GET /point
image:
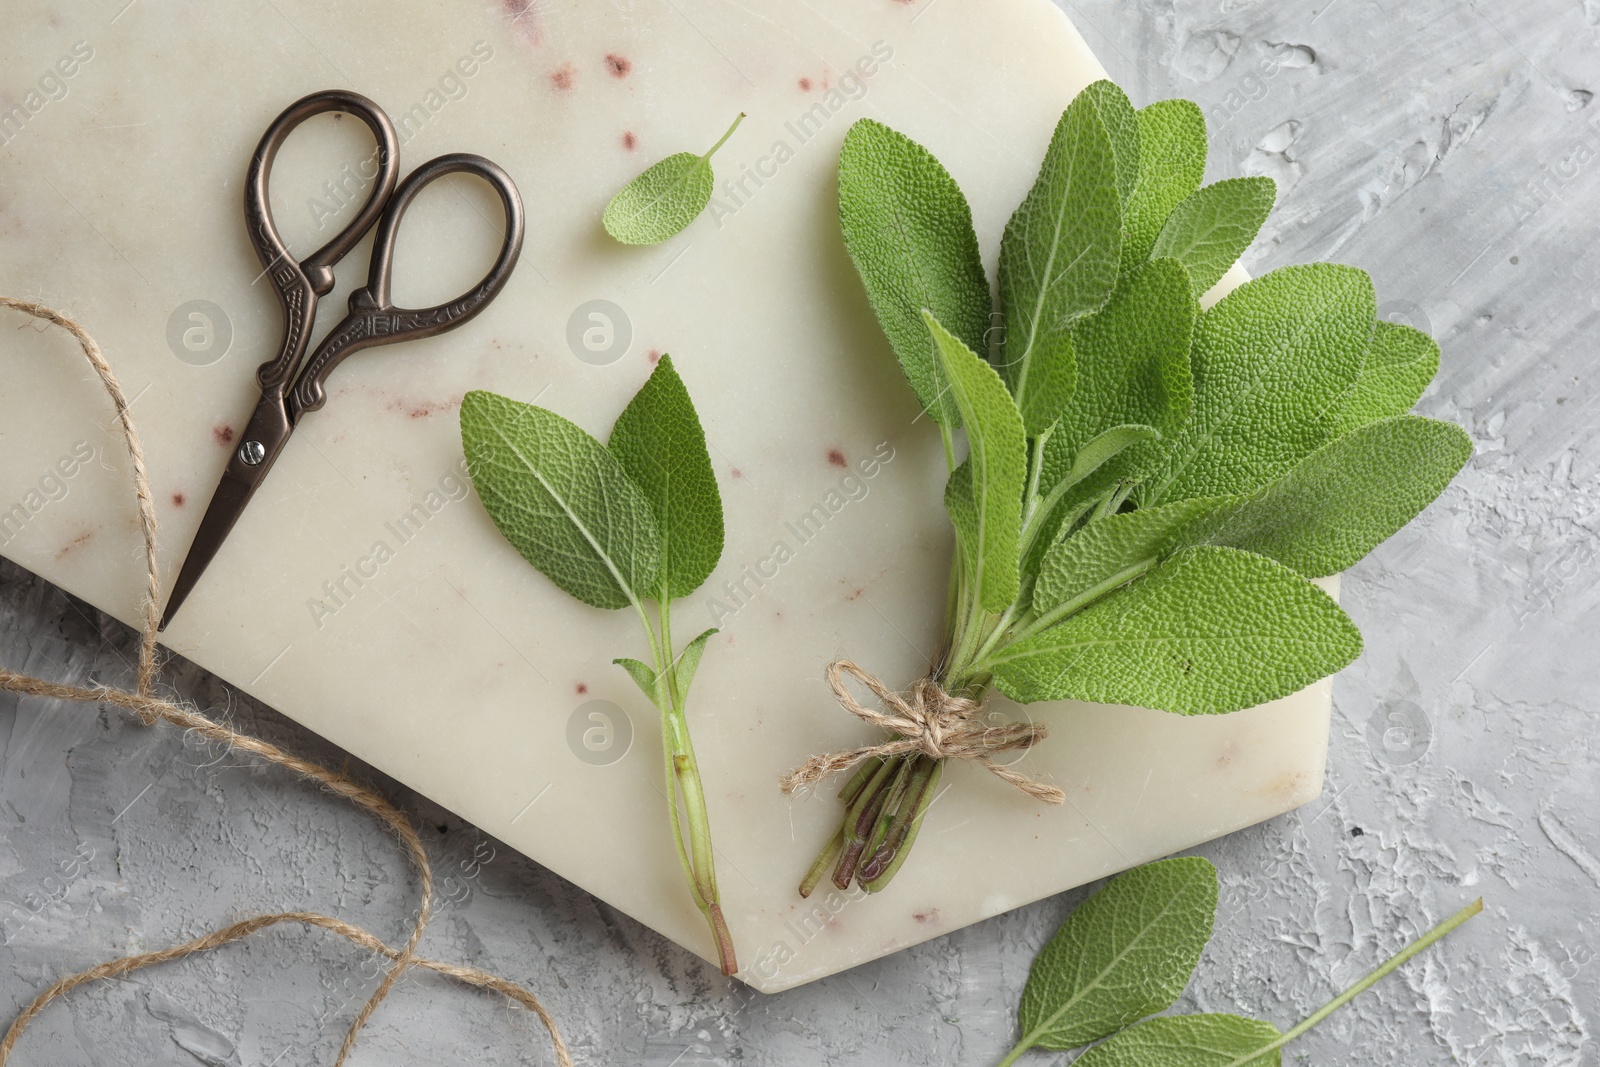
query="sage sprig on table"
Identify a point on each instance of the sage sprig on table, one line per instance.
(1128, 952)
(634, 523)
(1145, 487)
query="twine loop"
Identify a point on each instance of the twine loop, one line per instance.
(929, 720)
(151, 709)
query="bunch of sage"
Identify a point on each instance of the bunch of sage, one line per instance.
(1146, 487)
(633, 523)
(1128, 952)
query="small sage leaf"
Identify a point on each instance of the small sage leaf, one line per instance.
(561, 499)
(1126, 953)
(1188, 1041)
(1108, 445)
(1110, 546)
(642, 673)
(1213, 226)
(689, 660)
(659, 442)
(664, 199)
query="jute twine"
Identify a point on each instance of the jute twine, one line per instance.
(151, 709)
(929, 720)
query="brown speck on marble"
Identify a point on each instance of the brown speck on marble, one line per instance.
(856, 594)
(836, 458)
(77, 542)
(179, 500)
(805, 85)
(564, 77)
(222, 433)
(737, 473)
(618, 66)
(654, 356)
(582, 688)
(629, 141)
(931, 915)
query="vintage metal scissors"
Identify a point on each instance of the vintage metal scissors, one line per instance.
(292, 385)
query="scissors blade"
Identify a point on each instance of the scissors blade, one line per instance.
(227, 504)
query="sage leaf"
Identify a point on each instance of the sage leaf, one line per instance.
(1172, 162)
(1400, 363)
(1320, 518)
(909, 232)
(1133, 368)
(1188, 1041)
(1122, 126)
(689, 660)
(663, 200)
(643, 675)
(1211, 630)
(1054, 510)
(1269, 361)
(1058, 262)
(1107, 446)
(1344, 499)
(1125, 953)
(1213, 226)
(561, 499)
(996, 464)
(662, 447)
(1114, 545)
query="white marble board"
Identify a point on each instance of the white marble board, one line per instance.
(452, 665)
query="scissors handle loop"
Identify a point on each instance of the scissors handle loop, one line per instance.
(299, 283)
(374, 319)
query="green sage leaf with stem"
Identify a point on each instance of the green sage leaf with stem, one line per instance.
(1125, 953)
(641, 520)
(996, 470)
(1235, 1041)
(1208, 631)
(908, 230)
(663, 200)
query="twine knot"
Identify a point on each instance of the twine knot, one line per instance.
(929, 720)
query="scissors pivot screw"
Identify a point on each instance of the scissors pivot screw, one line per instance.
(252, 452)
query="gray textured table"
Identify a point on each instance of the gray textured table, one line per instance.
(1450, 148)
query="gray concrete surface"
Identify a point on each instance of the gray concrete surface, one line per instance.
(1450, 148)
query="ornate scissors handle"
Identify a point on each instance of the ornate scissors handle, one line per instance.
(373, 318)
(299, 283)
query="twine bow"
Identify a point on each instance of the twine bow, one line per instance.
(151, 709)
(928, 720)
